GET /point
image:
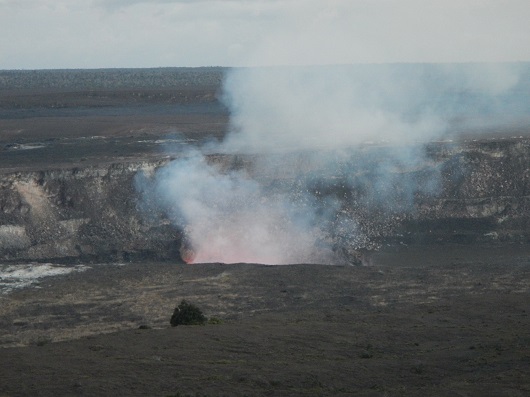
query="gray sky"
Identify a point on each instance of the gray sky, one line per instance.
(141, 33)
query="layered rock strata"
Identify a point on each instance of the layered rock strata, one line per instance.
(482, 193)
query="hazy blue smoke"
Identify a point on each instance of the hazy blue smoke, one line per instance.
(334, 157)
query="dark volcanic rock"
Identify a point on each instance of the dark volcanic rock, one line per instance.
(437, 319)
(85, 213)
(93, 212)
(71, 143)
(485, 194)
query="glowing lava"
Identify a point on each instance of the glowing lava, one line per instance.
(188, 256)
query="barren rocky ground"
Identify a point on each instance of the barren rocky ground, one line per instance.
(52, 119)
(443, 321)
(442, 310)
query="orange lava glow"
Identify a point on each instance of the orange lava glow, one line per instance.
(188, 255)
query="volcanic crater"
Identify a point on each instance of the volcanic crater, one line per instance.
(426, 298)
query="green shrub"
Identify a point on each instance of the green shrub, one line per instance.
(187, 314)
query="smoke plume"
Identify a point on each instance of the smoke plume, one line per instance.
(227, 216)
(321, 161)
(339, 106)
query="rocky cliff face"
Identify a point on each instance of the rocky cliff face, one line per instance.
(482, 193)
(485, 194)
(83, 213)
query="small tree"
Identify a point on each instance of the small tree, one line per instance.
(187, 314)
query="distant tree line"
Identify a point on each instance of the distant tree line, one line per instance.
(93, 79)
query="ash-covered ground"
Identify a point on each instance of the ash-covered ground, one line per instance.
(436, 302)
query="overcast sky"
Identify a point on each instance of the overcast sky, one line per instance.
(38, 34)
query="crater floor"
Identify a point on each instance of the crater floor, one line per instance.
(444, 320)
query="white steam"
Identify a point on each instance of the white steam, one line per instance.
(230, 217)
(319, 160)
(333, 107)
(328, 153)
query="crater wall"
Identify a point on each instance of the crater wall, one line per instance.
(92, 213)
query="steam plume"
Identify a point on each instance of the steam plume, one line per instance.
(229, 217)
(307, 187)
